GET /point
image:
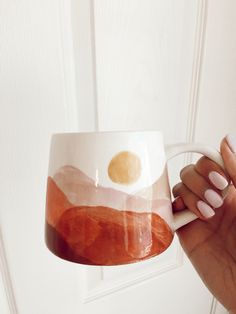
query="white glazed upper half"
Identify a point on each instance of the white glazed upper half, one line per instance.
(92, 153)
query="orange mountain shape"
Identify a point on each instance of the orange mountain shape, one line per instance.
(107, 236)
(83, 227)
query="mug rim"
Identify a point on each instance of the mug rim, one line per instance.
(107, 132)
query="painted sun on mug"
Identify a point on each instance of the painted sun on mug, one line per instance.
(108, 198)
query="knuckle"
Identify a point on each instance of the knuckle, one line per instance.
(202, 163)
(186, 171)
(233, 178)
(205, 165)
(230, 165)
(176, 189)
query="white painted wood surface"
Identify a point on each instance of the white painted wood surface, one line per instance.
(4, 303)
(7, 297)
(135, 38)
(82, 65)
(34, 104)
(82, 22)
(217, 98)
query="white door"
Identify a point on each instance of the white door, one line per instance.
(85, 65)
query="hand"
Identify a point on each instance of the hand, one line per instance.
(210, 242)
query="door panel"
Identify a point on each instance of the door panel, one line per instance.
(33, 105)
(104, 65)
(135, 70)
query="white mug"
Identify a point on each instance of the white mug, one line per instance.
(108, 196)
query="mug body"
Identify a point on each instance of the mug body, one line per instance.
(108, 197)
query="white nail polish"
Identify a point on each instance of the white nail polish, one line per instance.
(218, 180)
(231, 140)
(205, 209)
(213, 198)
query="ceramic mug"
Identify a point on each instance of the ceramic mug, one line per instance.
(108, 196)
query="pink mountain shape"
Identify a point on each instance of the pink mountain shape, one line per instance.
(56, 203)
(81, 190)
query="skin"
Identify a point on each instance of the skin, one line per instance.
(210, 243)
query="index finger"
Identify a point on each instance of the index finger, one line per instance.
(213, 173)
(228, 152)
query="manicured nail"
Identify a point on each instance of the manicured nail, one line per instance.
(218, 180)
(213, 198)
(231, 140)
(205, 209)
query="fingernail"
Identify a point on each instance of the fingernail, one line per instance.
(205, 209)
(218, 180)
(231, 140)
(213, 198)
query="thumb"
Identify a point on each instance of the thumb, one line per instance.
(228, 152)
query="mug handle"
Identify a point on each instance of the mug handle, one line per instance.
(184, 217)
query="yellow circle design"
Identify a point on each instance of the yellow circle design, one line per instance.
(125, 168)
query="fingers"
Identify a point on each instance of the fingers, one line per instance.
(201, 184)
(212, 172)
(228, 152)
(178, 204)
(202, 188)
(204, 184)
(193, 202)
